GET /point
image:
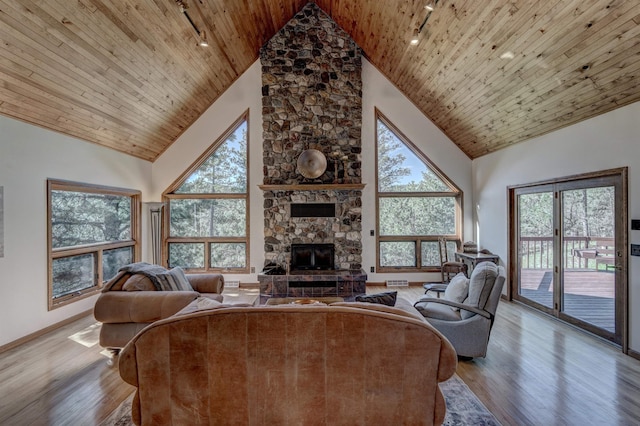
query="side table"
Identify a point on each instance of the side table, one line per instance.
(437, 288)
(472, 259)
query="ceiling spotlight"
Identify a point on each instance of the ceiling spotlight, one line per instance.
(203, 39)
(416, 37)
(430, 7)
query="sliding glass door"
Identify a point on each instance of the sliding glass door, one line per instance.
(570, 246)
(536, 254)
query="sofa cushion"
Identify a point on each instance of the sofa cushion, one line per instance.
(457, 290)
(138, 282)
(387, 298)
(200, 304)
(174, 280)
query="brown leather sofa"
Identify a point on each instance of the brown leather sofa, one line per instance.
(345, 363)
(130, 302)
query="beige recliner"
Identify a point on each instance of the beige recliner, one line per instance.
(468, 324)
(129, 302)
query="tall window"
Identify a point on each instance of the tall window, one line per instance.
(416, 204)
(93, 231)
(207, 222)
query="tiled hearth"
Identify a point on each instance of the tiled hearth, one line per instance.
(343, 283)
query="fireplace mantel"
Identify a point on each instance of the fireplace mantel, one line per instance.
(314, 187)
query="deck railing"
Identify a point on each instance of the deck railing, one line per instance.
(537, 252)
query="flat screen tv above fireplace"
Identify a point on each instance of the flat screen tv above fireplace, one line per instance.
(312, 257)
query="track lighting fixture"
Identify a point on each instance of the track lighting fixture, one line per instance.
(416, 37)
(183, 6)
(430, 7)
(203, 39)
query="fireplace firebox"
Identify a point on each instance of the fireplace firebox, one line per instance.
(306, 257)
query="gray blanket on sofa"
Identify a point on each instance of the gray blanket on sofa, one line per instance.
(147, 269)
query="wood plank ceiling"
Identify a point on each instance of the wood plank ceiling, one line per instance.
(128, 74)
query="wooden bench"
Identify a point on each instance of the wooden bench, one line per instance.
(602, 250)
(605, 252)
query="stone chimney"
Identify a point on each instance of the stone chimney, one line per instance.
(312, 99)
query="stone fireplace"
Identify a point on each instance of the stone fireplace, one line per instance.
(312, 99)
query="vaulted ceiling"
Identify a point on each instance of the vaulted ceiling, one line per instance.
(128, 74)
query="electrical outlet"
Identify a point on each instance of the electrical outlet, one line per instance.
(373, 269)
(372, 233)
(635, 249)
(253, 269)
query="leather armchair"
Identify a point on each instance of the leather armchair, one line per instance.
(468, 325)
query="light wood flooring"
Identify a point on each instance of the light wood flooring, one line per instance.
(538, 371)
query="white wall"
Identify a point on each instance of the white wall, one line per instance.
(28, 156)
(244, 94)
(378, 92)
(604, 142)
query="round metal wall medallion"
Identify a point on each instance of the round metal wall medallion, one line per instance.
(312, 163)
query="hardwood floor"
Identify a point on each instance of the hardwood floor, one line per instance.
(538, 371)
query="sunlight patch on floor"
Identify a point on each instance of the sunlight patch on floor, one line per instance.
(88, 337)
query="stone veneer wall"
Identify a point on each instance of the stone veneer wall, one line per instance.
(312, 99)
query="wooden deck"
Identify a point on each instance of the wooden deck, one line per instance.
(589, 295)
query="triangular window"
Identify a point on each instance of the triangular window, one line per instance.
(224, 171)
(207, 208)
(416, 204)
(400, 169)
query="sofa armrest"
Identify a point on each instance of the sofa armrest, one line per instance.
(140, 306)
(207, 283)
(406, 306)
(127, 364)
(455, 305)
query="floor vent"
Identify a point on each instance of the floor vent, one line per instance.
(231, 284)
(397, 283)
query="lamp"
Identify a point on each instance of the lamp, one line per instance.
(430, 7)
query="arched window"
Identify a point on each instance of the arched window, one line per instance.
(416, 204)
(206, 225)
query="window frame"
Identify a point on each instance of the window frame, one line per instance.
(454, 192)
(96, 249)
(169, 194)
